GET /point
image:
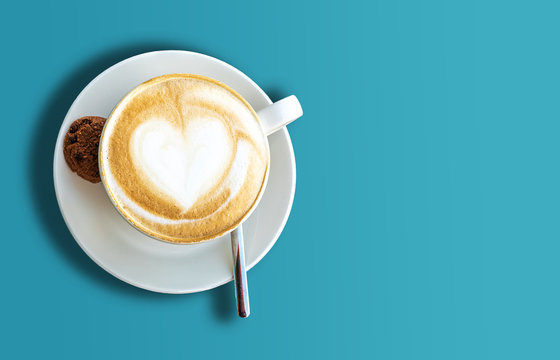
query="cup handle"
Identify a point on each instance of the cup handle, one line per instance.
(279, 114)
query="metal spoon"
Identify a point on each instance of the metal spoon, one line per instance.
(239, 272)
(274, 117)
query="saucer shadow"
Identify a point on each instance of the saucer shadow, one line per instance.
(40, 175)
(224, 303)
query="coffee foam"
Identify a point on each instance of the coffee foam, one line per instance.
(184, 158)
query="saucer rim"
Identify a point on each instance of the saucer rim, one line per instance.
(99, 262)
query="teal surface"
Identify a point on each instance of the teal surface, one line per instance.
(425, 222)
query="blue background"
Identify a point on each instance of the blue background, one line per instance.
(425, 222)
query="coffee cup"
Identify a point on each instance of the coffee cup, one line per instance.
(185, 159)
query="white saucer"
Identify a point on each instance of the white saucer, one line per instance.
(132, 256)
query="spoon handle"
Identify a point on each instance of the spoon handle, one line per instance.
(239, 272)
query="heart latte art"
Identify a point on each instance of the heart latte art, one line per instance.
(184, 158)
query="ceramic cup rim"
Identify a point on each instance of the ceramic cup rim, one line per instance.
(147, 231)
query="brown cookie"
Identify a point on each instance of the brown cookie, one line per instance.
(81, 146)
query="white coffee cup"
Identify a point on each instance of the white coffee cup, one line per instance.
(270, 119)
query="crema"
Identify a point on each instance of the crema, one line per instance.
(184, 158)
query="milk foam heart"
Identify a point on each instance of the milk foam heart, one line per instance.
(184, 158)
(182, 163)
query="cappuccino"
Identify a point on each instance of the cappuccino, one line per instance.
(184, 158)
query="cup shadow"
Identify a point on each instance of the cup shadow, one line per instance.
(274, 93)
(41, 183)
